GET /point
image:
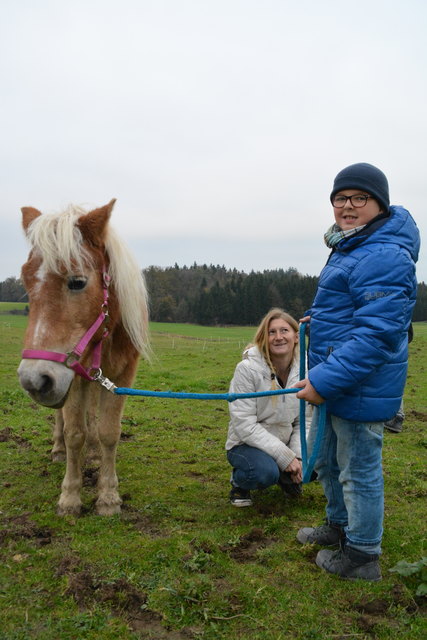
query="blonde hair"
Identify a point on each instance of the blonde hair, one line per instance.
(261, 334)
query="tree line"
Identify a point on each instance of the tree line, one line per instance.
(215, 295)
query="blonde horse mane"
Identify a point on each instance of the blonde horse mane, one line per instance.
(131, 291)
(60, 242)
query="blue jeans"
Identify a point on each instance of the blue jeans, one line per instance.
(252, 468)
(349, 467)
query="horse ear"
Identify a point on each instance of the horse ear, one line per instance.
(29, 214)
(93, 225)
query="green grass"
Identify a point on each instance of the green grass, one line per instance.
(6, 307)
(221, 334)
(180, 562)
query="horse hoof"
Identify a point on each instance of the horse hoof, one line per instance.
(59, 456)
(68, 510)
(104, 509)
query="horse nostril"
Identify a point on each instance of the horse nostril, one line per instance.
(46, 384)
(41, 385)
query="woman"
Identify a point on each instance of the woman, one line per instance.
(263, 444)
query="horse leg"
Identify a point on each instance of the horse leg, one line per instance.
(93, 452)
(74, 413)
(58, 452)
(109, 501)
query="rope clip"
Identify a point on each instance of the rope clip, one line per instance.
(103, 381)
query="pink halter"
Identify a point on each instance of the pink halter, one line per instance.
(72, 359)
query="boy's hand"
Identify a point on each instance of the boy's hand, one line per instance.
(308, 392)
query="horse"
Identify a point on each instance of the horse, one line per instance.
(88, 322)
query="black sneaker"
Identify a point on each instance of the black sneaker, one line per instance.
(327, 535)
(395, 424)
(288, 486)
(240, 497)
(350, 564)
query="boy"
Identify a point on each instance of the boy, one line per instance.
(358, 362)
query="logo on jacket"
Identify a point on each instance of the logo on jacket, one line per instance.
(374, 295)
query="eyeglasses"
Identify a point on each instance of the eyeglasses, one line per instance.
(356, 201)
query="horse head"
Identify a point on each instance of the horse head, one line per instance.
(63, 277)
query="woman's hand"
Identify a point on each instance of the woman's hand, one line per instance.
(295, 469)
(308, 392)
(305, 319)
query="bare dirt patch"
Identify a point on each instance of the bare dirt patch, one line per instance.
(143, 522)
(247, 548)
(267, 510)
(90, 477)
(22, 526)
(419, 415)
(120, 596)
(126, 436)
(7, 435)
(374, 611)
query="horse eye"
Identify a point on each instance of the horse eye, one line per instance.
(76, 283)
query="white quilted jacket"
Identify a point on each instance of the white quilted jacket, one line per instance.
(269, 423)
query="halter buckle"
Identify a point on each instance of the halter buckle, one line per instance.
(72, 359)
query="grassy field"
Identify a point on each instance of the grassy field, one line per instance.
(180, 562)
(6, 307)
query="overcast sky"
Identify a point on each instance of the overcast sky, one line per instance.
(219, 125)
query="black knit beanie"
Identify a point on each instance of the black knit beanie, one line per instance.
(366, 177)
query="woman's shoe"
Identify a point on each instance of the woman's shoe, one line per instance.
(240, 497)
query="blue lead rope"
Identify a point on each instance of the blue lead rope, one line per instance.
(231, 397)
(181, 395)
(308, 466)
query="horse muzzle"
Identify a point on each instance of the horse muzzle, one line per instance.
(45, 382)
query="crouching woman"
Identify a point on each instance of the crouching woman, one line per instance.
(263, 443)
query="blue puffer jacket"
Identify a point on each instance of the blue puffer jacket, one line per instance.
(361, 313)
